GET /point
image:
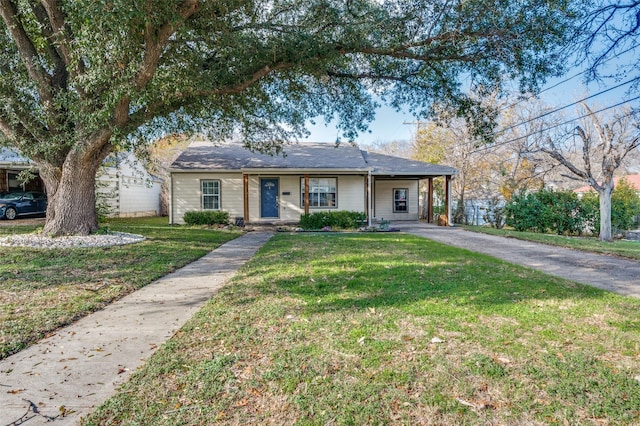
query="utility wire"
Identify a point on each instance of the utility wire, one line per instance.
(554, 126)
(553, 111)
(566, 80)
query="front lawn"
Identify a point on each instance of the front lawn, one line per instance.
(391, 329)
(44, 289)
(630, 249)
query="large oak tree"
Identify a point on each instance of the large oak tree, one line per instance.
(81, 78)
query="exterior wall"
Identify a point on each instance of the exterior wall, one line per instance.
(351, 196)
(186, 193)
(185, 189)
(383, 199)
(139, 197)
(128, 190)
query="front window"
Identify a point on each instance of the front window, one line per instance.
(322, 192)
(210, 194)
(400, 200)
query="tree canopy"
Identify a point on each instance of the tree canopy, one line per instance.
(80, 78)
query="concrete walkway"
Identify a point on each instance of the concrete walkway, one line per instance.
(610, 273)
(65, 376)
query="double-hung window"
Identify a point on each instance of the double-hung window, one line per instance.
(400, 200)
(210, 190)
(323, 192)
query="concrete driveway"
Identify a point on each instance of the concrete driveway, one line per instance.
(610, 273)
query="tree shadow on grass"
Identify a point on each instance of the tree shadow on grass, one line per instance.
(353, 271)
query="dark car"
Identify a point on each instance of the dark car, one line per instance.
(22, 204)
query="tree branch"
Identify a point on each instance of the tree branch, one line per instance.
(27, 51)
(6, 129)
(62, 37)
(155, 39)
(60, 76)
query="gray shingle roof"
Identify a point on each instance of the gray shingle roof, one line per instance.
(303, 156)
(8, 156)
(389, 165)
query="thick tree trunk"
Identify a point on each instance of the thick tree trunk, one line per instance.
(605, 212)
(71, 208)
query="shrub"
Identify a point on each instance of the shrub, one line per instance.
(334, 219)
(548, 211)
(208, 217)
(625, 206)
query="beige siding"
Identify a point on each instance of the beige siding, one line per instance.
(290, 210)
(351, 196)
(186, 195)
(383, 201)
(351, 193)
(186, 192)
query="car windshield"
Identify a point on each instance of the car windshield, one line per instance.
(13, 195)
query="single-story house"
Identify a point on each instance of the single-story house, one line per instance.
(309, 177)
(123, 184)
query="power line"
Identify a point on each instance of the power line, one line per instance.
(554, 126)
(566, 80)
(571, 104)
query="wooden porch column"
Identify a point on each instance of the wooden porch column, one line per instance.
(447, 200)
(245, 184)
(366, 197)
(430, 201)
(306, 194)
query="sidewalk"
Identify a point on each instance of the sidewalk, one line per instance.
(80, 366)
(610, 273)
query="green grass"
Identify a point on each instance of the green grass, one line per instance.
(630, 249)
(43, 289)
(373, 329)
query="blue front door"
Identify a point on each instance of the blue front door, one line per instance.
(269, 198)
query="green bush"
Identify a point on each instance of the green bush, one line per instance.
(625, 206)
(547, 210)
(208, 217)
(333, 219)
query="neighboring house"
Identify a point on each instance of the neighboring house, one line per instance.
(310, 177)
(634, 181)
(11, 165)
(125, 186)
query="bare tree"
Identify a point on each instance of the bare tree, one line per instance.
(611, 29)
(604, 144)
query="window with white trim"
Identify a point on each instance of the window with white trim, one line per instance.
(323, 192)
(210, 190)
(400, 200)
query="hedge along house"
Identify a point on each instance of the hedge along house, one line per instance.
(310, 177)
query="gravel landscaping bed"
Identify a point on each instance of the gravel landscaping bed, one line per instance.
(41, 241)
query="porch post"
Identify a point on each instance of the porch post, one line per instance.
(368, 203)
(170, 198)
(430, 201)
(448, 200)
(306, 194)
(245, 184)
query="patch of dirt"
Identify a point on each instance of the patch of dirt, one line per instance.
(23, 221)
